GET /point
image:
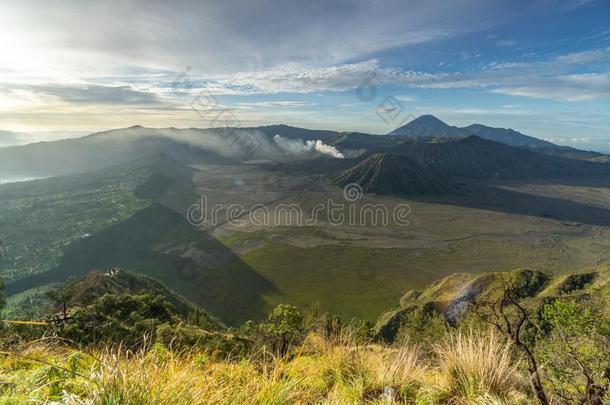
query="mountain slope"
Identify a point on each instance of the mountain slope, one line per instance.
(160, 243)
(451, 296)
(474, 157)
(394, 175)
(97, 151)
(103, 149)
(507, 136)
(287, 131)
(130, 215)
(9, 138)
(572, 153)
(38, 219)
(117, 281)
(363, 142)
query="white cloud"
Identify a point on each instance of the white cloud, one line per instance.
(506, 42)
(406, 98)
(298, 78)
(9, 138)
(563, 77)
(84, 94)
(570, 141)
(595, 55)
(218, 36)
(553, 78)
(116, 60)
(577, 87)
(278, 104)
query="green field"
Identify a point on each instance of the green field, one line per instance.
(133, 216)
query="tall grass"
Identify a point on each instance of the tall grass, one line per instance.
(478, 367)
(467, 368)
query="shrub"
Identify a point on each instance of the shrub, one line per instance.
(576, 350)
(284, 328)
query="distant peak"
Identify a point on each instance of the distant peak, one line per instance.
(428, 119)
(424, 125)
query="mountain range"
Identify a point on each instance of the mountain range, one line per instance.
(428, 126)
(475, 157)
(476, 151)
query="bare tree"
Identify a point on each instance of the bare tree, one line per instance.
(502, 309)
(62, 295)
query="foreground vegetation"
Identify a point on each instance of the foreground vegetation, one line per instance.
(464, 368)
(507, 338)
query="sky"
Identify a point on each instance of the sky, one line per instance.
(541, 67)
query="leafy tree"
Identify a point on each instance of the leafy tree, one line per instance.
(199, 318)
(577, 351)
(423, 325)
(284, 327)
(118, 318)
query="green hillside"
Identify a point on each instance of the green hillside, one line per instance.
(453, 297)
(116, 281)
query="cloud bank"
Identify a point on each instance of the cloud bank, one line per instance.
(236, 143)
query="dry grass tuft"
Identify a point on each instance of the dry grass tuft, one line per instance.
(471, 368)
(477, 367)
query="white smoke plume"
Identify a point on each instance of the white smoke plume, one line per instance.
(308, 148)
(353, 153)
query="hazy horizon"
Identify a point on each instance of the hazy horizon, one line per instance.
(540, 68)
(34, 137)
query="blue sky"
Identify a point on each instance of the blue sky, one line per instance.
(541, 67)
